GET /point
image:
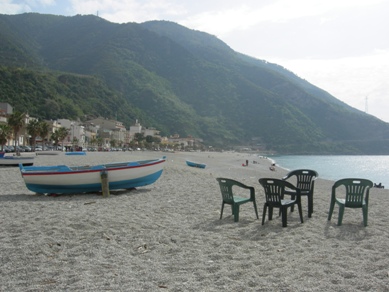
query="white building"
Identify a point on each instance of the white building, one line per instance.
(76, 136)
(135, 129)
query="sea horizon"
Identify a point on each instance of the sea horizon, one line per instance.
(335, 167)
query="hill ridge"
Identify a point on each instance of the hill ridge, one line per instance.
(177, 80)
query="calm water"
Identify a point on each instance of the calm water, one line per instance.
(375, 168)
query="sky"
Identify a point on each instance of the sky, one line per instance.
(341, 46)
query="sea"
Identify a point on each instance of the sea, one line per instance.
(334, 167)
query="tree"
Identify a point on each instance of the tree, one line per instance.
(33, 131)
(156, 140)
(149, 139)
(139, 137)
(132, 144)
(44, 130)
(100, 141)
(93, 141)
(16, 121)
(74, 142)
(55, 137)
(62, 134)
(5, 132)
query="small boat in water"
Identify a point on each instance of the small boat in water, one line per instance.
(15, 160)
(62, 179)
(195, 164)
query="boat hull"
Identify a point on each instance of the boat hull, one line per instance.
(65, 180)
(76, 153)
(195, 164)
(16, 161)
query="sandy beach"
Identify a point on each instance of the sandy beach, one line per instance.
(168, 236)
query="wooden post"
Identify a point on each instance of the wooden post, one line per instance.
(104, 183)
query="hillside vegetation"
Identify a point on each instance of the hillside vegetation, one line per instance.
(178, 80)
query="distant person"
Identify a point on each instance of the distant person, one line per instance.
(380, 186)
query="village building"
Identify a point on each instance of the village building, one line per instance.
(110, 131)
(138, 129)
(184, 142)
(102, 132)
(5, 109)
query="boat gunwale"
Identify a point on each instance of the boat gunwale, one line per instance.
(17, 157)
(91, 169)
(7, 161)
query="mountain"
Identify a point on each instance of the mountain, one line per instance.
(177, 80)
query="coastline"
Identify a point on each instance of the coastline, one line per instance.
(335, 167)
(168, 235)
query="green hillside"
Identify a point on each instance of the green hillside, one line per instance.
(175, 79)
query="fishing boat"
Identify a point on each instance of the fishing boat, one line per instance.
(50, 152)
(62, 179)
(195, 164)
(15, 160)
(76, 153)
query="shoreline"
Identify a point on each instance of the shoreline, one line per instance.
(168, 235)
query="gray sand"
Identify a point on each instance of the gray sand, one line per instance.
(168, 236)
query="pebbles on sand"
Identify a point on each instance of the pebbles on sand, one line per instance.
(168, 235)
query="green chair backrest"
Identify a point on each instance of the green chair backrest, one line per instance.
(305, 178)
(357, 190)
(274, 190)
(226, 189)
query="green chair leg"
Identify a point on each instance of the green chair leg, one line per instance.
(300, 212)
(340, 216)
(256, 210)
(332, 205)
(221, 212)
(310, 206)
(364, 211)
(270, 213)
(264, 213)
(236, 212)
(284, 217)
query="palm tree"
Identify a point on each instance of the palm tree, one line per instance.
(62, 134)
(33, 129)
(43, 131)
(93, 141)
(55, 137)
(16, 121)
(100, 141)
(5, 132)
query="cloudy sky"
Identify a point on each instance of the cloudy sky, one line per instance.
(341, 46)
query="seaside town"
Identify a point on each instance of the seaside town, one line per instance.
(194, 146)
(98, 134)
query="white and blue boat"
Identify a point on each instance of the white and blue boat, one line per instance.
(62, 179)
(15, 160)
(75, 153)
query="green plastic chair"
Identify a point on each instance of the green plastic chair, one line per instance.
(229, 189)
(305, 181)
(357, 196)
(274, 193)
